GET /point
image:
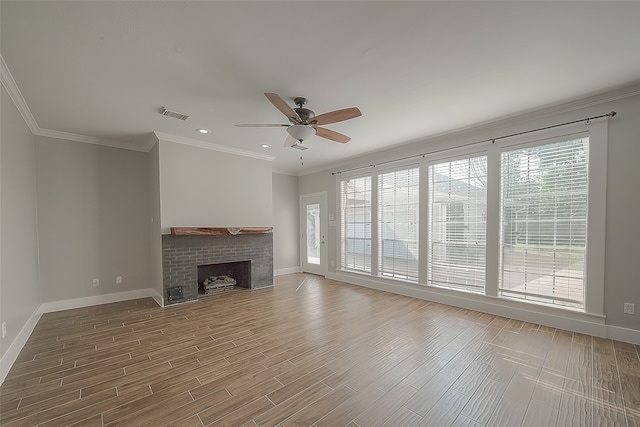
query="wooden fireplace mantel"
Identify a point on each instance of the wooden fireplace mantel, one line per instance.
(218, 231)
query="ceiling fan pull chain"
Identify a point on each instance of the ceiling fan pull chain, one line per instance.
(301, 161)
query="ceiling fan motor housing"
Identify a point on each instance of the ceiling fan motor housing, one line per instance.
(304, 113)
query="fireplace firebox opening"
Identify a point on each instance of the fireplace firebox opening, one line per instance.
(226, 275)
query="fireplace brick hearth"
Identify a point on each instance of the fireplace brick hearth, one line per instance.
(182, 254)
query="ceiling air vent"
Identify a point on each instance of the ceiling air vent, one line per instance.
(173, 114)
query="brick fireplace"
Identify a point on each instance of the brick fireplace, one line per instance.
(184, 251)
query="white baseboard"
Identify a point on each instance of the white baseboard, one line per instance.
(48, 307)
(288, 270)
(12, 353)
(557, 318)
(623, 334)
(9, 358)
(577, 322)
(158, 298)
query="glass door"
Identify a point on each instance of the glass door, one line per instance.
(313, 228)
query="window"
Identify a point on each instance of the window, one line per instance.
(520, 219)
(355, 231)
(457, 223)
(543, 202)
(398, 196)
(313, 233)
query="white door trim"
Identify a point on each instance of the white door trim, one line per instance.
(304, 198)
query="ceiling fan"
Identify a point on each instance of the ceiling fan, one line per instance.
(304, 123)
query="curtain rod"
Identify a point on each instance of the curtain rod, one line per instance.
(492, 140)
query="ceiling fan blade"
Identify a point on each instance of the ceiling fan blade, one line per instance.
(260, 125)
(284, 108)
(332, 135)
(290, 141)
(336, 116)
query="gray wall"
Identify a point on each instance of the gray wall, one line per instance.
(155, 241)
(206, 188)
(286, 207)
(19, 296)
(622, 275)
(93, 221)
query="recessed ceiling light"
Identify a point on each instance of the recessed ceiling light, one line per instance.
(264, 145)
(203, 130)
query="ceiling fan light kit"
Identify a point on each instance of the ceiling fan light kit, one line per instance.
(304, 122)
(301, 132)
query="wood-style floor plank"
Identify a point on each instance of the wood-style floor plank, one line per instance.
(318, 409)
(313, 351)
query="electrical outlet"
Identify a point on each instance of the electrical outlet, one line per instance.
(4, 329)
(96, 282)
(118, 279)
(629, 308)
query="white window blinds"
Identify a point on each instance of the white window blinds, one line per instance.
(355, 229)
(457, 223)
(398, 202)
(544, 222)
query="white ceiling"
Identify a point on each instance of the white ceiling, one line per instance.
(103, 69)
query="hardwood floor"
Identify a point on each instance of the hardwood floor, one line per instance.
(312, 351)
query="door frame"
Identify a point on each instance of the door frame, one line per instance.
(304, 199)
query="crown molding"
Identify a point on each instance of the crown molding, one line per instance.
(211, 146)
(410, 147)
(152, 140)
(12, 89)
(565, 106)
(90, 140)
(615, 94)
(285, 172)
(16, 96)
